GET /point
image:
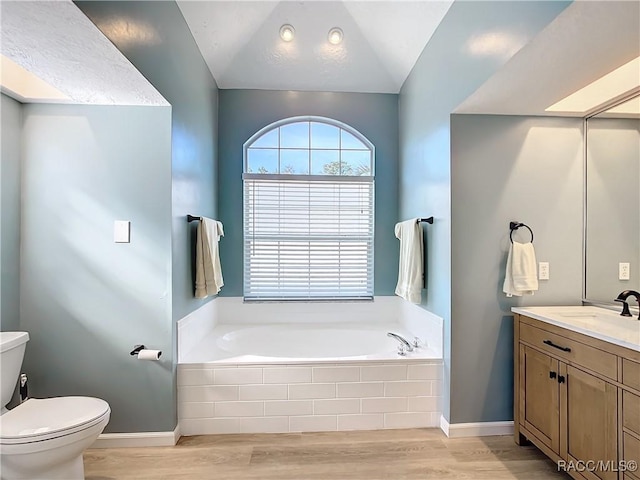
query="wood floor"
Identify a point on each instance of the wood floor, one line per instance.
(375, 455)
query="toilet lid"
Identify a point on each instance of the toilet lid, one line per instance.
(40, 419)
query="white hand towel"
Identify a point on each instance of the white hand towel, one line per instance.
(521, 276)
(208, 269)
(410, 266)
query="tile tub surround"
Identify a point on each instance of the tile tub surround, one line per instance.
(214, 398)
(196, 325)
(289, 395)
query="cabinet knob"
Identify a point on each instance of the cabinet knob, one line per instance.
(560, 378)
(552, 374)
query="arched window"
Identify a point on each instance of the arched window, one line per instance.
(308, 212)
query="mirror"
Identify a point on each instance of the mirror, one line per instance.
(612, 230)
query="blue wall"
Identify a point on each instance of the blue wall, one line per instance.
(85, 300)
(243, 112)
(506, 168)
(446, 73)
(10, 190)
(173, 64)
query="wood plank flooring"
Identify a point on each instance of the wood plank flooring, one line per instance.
(416, 454)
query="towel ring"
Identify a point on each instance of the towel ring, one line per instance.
(515, 226)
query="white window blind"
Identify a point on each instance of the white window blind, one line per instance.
(308, 237)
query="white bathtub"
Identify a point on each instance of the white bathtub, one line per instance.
(304, 343)
(302, 367)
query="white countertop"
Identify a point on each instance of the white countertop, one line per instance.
(595, 322)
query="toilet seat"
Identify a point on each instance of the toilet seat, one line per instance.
(37, 420)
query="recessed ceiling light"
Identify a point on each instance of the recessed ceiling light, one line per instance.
(287, 32)
(335, 36)
(614, 84)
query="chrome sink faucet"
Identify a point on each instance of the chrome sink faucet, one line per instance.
(625, 306)
(403, 343)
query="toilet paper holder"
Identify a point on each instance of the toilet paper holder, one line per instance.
(143, 354)
(136, 349)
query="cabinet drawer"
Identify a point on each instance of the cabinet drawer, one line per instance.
(631, 411)
(631, 374)
(578, 353)
(631, 449)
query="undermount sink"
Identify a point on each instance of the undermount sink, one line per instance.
(578, 314)
(600, 322)
(589, 310)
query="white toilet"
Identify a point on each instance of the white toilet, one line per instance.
(43, 438)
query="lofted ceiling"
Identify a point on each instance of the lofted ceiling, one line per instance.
(57, 43)
(240, 43)
(382, 40)
(586, 41)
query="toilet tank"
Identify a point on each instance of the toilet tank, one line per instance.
(12, 346)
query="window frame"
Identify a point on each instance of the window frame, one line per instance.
(310, 178)
(307, 118)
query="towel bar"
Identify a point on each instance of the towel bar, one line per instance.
(428, 220)
(191, 218)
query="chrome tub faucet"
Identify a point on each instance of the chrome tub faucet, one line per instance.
(403, 343)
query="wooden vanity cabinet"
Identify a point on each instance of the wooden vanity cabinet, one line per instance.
(569, 402)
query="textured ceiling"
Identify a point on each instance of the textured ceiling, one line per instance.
(383, 39)
(240, 42)
(58, 43)
(586, 41)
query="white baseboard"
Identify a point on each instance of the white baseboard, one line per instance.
(138, 439)
(480, 429)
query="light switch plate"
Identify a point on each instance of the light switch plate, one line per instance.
(623, 271)
(121, 231)
(543, 271)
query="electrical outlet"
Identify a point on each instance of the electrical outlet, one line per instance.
(543, 271)
(623, 271)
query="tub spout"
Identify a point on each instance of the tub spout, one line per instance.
(402, 341)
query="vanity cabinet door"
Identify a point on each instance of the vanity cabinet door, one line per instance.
(592, 421)
(631, 453)
(631, 432)
(539, 396)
